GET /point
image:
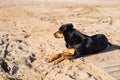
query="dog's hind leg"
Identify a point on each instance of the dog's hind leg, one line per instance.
(51, 59)
(69, 52)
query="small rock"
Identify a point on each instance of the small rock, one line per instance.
(28, 62)
(4, 66)
(15, 68)
(27, 36)
(6, 51)
(32, 58)
(20, 47)
(1, 42)
(20, 41)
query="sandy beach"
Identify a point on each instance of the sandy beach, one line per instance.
(27, 40)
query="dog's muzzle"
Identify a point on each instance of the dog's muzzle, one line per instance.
(58, 35)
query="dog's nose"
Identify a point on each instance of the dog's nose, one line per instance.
(58, 35)
(55, 34)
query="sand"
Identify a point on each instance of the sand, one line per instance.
(27, 28)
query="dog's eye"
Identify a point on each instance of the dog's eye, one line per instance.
(61, 32)
(62, 29)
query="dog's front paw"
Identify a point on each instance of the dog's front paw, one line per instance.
(51, 59)
(56, 62)
(59, 60)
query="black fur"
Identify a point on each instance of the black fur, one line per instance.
(83, 44)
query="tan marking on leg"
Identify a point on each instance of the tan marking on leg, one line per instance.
(60, 57)
(65, 55)
(72, 51)
(59, 60)
(51, 59)
(69, 51)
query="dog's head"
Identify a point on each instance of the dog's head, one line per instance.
(62, 29)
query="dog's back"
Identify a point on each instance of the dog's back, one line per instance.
(96, 43)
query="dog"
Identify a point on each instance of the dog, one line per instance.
(78, 44)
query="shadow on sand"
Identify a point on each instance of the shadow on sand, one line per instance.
(109, 48)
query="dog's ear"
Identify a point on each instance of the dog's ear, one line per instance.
(65, 27)
(69, 26)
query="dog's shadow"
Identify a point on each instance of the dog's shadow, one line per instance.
(109, 48)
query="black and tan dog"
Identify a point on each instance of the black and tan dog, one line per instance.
(78, 44)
